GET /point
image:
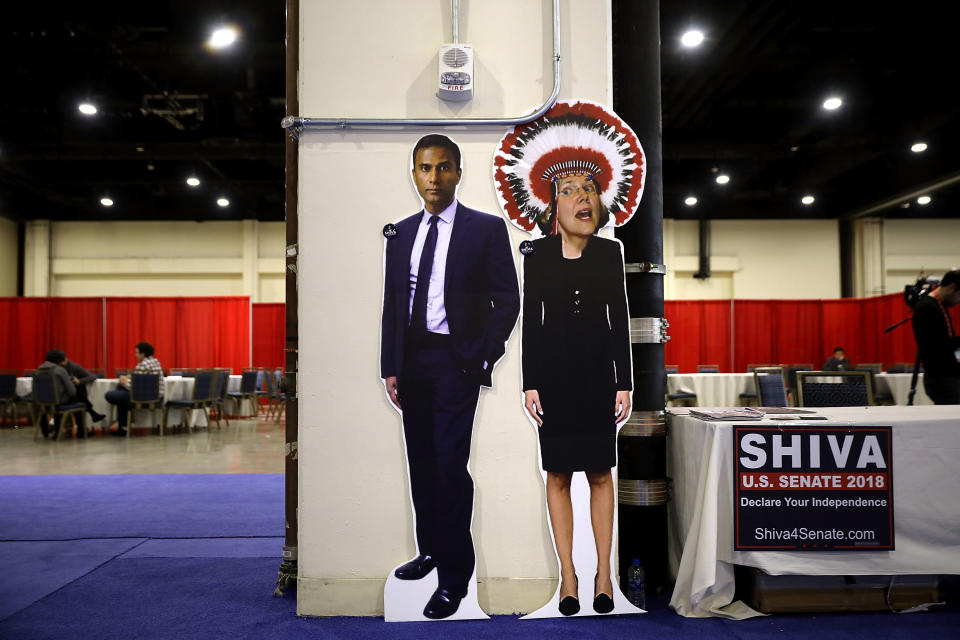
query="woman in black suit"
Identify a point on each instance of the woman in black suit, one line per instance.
(576, 367)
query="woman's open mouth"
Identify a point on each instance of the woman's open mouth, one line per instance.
(584, 214)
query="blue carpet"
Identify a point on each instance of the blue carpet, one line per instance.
(209, 548)
(230, 598)
(147, 506)
(31, 570)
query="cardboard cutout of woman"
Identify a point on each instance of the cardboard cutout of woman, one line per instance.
(564, 177)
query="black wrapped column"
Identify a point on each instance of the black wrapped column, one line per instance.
(642, 486)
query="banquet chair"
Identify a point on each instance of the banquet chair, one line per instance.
(791, 379)
(47, 402)
(220, 394)
(771, 388)
(144, 396)
(880, 397)
(276, 398)
(9, 400)
(680, 397)
(834, 389)
(200, 398)
(248, 390)
(708, 368)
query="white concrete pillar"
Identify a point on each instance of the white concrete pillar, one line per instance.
(868, 264)
(36, 263)
(251, 259)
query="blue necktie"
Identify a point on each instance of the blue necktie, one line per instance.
(418, 321)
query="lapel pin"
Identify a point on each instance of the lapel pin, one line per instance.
(526, 247)
(389, 231)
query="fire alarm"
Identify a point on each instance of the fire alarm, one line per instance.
(455, 62)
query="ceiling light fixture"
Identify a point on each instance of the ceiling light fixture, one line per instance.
(723, 178)
(222, 37)
(223, 202)
(107, 202)
(923, 200)
(807, 200)
(690, 201)
(87, 109)
(832, 103)
(692, 38)
(918, 147)
(193, 181)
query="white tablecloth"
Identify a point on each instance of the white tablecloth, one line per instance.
(713, 389)
(175, 388)
(926, 446)
(898, 386)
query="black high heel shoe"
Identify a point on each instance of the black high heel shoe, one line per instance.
(570, 605)
(602, 603)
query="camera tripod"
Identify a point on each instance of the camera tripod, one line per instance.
(916, 363)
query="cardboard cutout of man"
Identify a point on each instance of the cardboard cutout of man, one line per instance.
(450, 301)
(565, 177)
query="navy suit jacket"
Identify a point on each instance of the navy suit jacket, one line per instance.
(480, 291)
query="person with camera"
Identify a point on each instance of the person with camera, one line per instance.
(937, 342)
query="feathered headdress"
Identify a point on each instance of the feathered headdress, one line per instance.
(572, 137)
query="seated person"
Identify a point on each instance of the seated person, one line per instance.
(838, 362)
(81, 378)
(120, 396)
(56, 361)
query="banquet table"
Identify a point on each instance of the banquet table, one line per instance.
(175, 388)
(926, 443)
(898, 386)
(713, 389)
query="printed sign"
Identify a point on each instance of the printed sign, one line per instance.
(813, 488)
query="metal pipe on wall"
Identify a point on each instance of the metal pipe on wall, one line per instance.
(297, 124)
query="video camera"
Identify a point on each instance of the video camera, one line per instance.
(923, 286)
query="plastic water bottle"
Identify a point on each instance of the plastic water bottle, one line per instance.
(636, 590)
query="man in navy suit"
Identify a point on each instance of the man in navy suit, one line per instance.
(450, 301)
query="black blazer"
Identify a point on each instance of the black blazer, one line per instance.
(604, 305)
(480, 292)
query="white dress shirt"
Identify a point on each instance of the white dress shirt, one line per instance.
(436, 311)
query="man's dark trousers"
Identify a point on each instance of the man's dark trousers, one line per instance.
(439, 402)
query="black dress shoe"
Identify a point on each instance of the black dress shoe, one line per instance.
(570, 605)
(602, 603)
(416, 568)
(442, 604)
(96, 417)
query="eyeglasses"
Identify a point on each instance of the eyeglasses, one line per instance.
(572, 190)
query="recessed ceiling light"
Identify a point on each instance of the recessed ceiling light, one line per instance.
(107, 202)
(139, 149)
(923, 200)
(223, 202)
(690, 201)
(832, 103)
(150, 166)
(794, 149)
(807, 200)
(918, 147)
(222, 37)
(87, 109)
(723, 178)
(692, 38)
(193, 181)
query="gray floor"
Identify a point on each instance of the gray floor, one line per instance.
(246, 446)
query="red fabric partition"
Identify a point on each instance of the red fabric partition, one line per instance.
(699, 333)
(186, 332)
(32, 326)
(269, 331)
